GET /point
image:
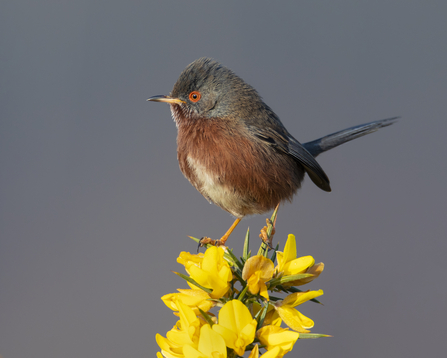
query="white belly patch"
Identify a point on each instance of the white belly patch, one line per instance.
(209, 186)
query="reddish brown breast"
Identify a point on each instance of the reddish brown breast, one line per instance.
(234, 170)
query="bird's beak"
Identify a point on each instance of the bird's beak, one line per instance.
(166, 99)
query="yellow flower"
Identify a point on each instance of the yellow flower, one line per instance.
(211, 272)
(315, 270)
(213, 276)
(169, 349)
(211, 345)
(187, 259)
(293, 318)
(254, 352)
(276, 338)
(275, 352)
(236, 326)
(186, 331)
(194, 299)
(258, 270)
(289, 264)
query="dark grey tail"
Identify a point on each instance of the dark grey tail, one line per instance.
(333, 140)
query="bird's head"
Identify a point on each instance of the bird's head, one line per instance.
(208, 90)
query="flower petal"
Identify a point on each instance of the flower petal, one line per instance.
(228, 335)
(315, 270)
(192, 298)
(274, 336)
(236, 326)
(187, 259)
(295, 319)
(191, 352)
(298, 265)
(290, 249)
(258, 263)
(297, 298)
(169, 349)
(273, 353)
(210, 342)
(254, 352)
(234, 315)
(263, 290)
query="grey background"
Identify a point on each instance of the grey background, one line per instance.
(94, 209)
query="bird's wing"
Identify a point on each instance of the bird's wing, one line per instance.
(316, 173)
(289, 145)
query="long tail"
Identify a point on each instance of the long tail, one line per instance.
(333, 140)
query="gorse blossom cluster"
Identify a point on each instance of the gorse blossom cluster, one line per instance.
(247, 292)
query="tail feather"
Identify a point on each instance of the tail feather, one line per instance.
(333, 140)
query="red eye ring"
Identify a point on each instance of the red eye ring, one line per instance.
(195, 96)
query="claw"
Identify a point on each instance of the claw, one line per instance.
(205, 241)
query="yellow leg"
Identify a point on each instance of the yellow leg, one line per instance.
(223, 239)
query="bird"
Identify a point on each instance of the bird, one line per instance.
(235, 150)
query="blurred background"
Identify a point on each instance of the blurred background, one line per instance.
(94, 210)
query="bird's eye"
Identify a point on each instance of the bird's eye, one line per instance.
(194, 96)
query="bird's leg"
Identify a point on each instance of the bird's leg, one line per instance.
(265, 237)
(223, 239)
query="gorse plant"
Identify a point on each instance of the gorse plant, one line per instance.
(253, 298)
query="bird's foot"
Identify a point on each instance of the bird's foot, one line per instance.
(264, 235)
(208, 241)
(221, 242)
